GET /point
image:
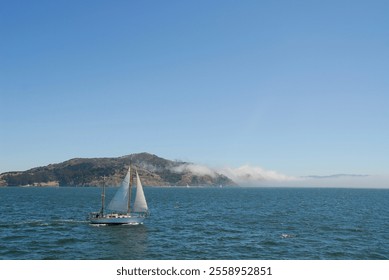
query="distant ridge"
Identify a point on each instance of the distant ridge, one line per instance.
(335, 176)
(154, 170)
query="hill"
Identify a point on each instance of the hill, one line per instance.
(154, 171)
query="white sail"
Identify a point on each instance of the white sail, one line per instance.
(119, 202)
(140, 204)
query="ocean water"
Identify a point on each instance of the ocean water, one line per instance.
(199, 223)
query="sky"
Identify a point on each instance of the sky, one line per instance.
(296, 88)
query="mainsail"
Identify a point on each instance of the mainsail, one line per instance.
(119, 202)
(140, 204)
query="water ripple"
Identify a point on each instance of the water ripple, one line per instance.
(199, 224)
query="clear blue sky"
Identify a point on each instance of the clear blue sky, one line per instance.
(300, 87)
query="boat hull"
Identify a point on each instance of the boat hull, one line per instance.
(115, 219)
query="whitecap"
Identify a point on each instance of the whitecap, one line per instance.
(285, 235)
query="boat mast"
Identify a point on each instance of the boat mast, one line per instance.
(129, 194)
(103, 197)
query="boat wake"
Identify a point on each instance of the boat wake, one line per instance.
(44, 223)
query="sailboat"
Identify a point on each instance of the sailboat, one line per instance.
(119, 210)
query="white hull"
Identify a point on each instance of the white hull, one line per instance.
(118, 219)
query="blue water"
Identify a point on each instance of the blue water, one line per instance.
(236, 223)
